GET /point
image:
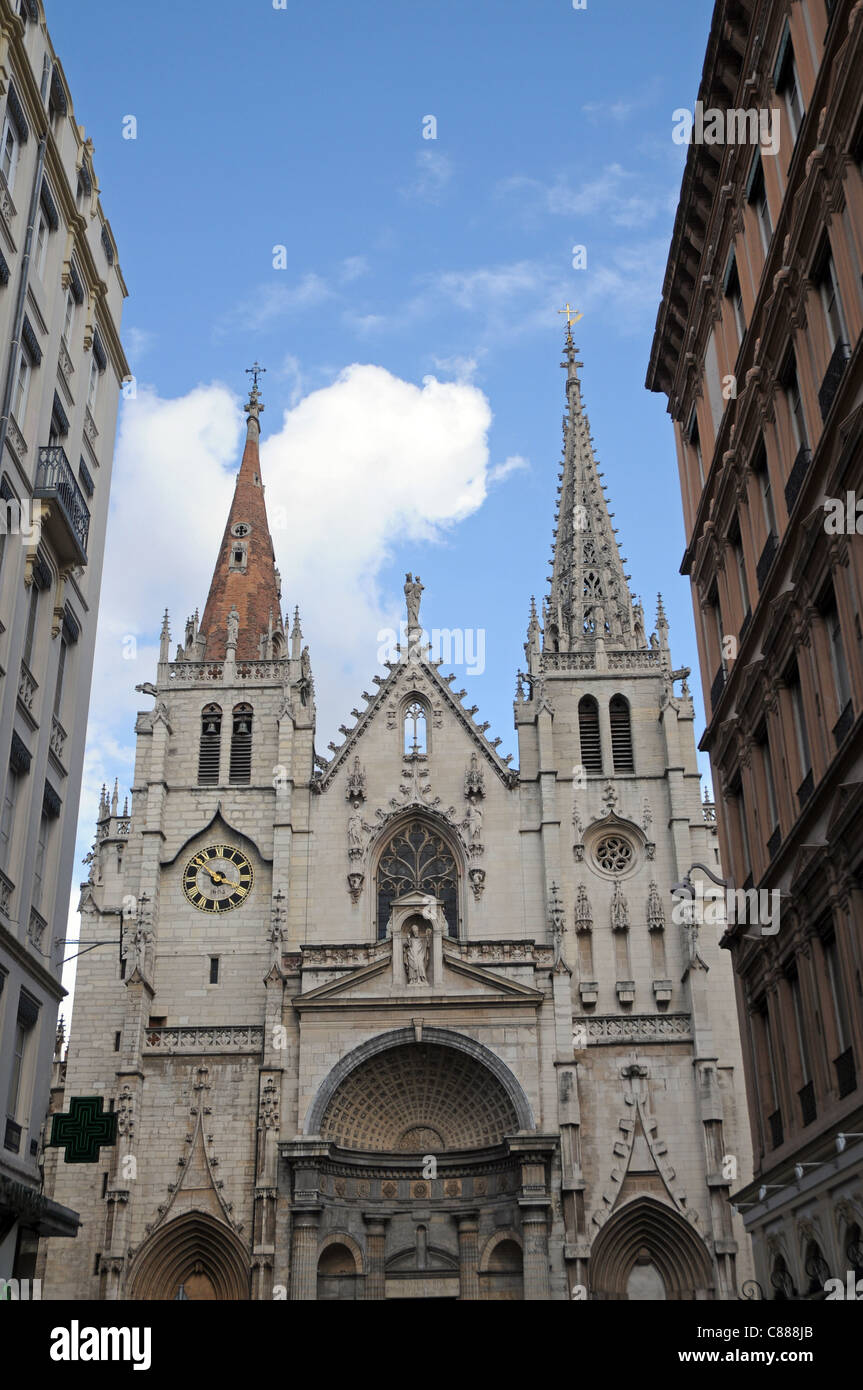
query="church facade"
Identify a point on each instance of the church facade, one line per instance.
(404, 1021)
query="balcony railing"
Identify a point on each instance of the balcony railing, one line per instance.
(797, 476)
(55, 482)
(776, 1134)
(846, 1074)
(833, 376)
(804, 791)
(843, 724)
(768, 555)
(717, 688)
(806, 1096)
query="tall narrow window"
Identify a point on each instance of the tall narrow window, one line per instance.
(22, 387)
(695, 446)
(28, 1017)
(792, 680)
(621, 734)
(800, 1028)
(210, 747)
(214, 970)
(9, 154)
(61, 672)
(837, 993)
(767, 769)
(757, 195)
(415, 729)
(30, 630)
(762, 473)
(830, 614)
(828, 284)
(794, 402)
(42, 838)
(7, 815)
(93, 385)
(588, 732)
(787, 84)
(69, 319)
(241, 745)
(740, 558)
(734, 294)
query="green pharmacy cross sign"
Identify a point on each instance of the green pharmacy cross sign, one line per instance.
(83, 1130)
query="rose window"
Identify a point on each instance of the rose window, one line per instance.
(613, 854)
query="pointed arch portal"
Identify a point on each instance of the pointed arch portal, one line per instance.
(196, 1252)
(644, 1245)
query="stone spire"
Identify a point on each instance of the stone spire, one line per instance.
(589, 599)
(245, 587)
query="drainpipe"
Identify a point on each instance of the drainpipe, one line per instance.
(22, 296)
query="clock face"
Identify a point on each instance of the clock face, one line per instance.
(218, 879)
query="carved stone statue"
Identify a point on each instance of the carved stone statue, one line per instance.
(416, 949)
(413, 597)
(355, 831)
(474, 822)
(233, 627)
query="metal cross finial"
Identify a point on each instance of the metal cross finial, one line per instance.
(571, 316)
(254, 372)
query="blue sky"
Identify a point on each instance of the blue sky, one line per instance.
(303, 127)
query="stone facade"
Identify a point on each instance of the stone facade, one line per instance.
(61, 299)
(763, 289)
(447, 1038)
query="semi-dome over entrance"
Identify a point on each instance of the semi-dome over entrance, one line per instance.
(419, 1098)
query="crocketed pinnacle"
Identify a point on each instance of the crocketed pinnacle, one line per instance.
(245, 591)
(589, 596)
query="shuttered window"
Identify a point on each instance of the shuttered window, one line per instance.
(621, 734)
(241, 745)
(211, 742)
(588, 728)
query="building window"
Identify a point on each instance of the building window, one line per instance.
(61, 671)
(830, 615)
(695, 446)
(787, 83)
(25, 1032)
(802, 1048)
(767, 769)
(419, 859)
(240, 770)
(795, 691)
(9, 151)
(837, 993)
(757, 196)
(214, 970)
(588, 733)
(735, 295)
(762, 474)
(736, 543)
(7, 814)
(30, 630)
(40, 250)
(794, 401)
(42, 839)
(69, 318)
(22, 386)
(831, 300)
(210, 746)
(415, 729)
(93, 385)
(621, 734)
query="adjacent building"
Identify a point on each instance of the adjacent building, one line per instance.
(61, 365)
(397, 1020)
(758, 349)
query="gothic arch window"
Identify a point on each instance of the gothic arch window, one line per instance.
(415, 728)
(588, 732)
(592, 585)
(621, 734)
(210, 746)
(241, 745)
(417, 858)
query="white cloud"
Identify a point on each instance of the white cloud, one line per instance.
(352, 268)
(277, 298)
(621, 197)
(598, 111)
(516, 463)
(434, 173)
(137, 343)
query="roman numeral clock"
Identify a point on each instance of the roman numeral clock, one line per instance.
(218, 879)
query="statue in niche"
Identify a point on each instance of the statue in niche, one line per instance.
(416, 949)
(619, 909)
(355, 831)
(233, 627)
(413, 597)
(473, 823)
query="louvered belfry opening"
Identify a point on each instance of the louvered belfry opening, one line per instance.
(588, 728)
(241, 745)
(211, 743)
(621, 734)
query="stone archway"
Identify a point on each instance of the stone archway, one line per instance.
(483, 1073)
(645, 1242)
(195, 1251)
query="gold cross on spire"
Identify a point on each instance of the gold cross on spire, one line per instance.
(571, 317)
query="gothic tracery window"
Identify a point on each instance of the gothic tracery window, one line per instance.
(415, 729)
(418, 859)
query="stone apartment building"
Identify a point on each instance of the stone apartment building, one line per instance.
(758, 348)
(61, 296)
(401, 1021)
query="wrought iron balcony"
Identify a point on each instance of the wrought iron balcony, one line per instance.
(776, 1132)
(846, 1073)
(68, 519)
(807, 786)
(806, 1096)
(797, 476)
(843, 724)
(833, 376)
(717, 688)
(768, 555)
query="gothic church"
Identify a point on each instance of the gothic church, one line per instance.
(404, 1021)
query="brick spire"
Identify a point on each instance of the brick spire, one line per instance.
(245, 578)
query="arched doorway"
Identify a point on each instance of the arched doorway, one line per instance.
(193, 1257)
(339, 1265)
(646, 1250)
